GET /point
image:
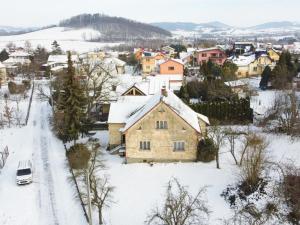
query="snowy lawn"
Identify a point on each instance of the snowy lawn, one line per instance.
(140, 187)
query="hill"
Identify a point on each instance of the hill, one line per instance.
(187, 26)
(115, 28)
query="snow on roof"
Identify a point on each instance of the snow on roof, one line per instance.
(19, 54)
(209, 49)
(175, 104)
(120, 111)
(244, 60)
(160, 62)
(148, 85)
(62, 58)
(115, 61)
(234, 83)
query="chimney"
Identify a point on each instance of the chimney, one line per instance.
(164, 91)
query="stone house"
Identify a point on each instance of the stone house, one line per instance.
(162, 129)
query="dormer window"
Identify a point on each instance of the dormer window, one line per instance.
(161, 125)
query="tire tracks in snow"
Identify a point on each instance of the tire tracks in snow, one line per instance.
(46, 191)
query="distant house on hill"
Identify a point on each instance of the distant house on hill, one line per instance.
(215, 54)
(162, 129)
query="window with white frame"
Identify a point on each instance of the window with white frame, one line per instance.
(161, 125)
(179, 146)
(144, 145)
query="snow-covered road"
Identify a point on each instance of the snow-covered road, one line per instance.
(51, 198)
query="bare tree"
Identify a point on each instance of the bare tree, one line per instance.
(27, 46)
(217, 135)
(98, 84)
(231, 137)
(180, 207)
(8, 113)
(99, 191)
(286, 113)
(253, 160)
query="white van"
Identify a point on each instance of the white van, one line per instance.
(24, 172)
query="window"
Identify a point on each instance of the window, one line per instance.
(204, 54)
(161, 125)
(214, 55)
(147, 60)
(178, 146)
(171, 68)
(254, 69)
(144, 145)
(147, 67)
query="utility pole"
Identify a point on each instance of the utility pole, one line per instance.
(89, 197)
(51, 93)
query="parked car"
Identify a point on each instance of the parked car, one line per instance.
(24, 172)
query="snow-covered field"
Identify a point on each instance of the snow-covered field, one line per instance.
(69, 39)
(51, 198)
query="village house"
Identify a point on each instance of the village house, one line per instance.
(163, 129)
(216, 55)
(2, 74)
(240, 48)
(18, 58)
(237, 86)
(251, 65)
(273, 54)
(56, 63)
(168, 50)
(171, 66)
(148, 64)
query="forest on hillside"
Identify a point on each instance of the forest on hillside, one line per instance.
(115, 28)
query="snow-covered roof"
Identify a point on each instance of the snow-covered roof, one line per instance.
(209, 49)
(175, 104)
(120, 111)
(174, 60)
(148, 85)
(115, 61)
(244, 60)
(234, 83)
(62, 58)
(19, 54)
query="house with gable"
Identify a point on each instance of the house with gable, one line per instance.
(215, 54)
(162, 129)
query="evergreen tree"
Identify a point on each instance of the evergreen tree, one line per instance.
(73, 102)
(56, 50)
(228, 71)
(265, 78)
(3, 55)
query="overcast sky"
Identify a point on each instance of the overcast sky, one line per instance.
(232, 12)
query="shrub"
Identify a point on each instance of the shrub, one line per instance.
(207, 150)
(16, 88)
(292, 193)
(27, 84)
(78, 156)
